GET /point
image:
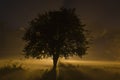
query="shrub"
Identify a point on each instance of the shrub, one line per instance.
(9, 68)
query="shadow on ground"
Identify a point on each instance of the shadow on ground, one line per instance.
(48, 75)
(72, 72)
(63, 72)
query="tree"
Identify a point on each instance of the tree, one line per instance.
(55, 34)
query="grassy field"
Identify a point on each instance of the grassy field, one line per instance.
(67, 70)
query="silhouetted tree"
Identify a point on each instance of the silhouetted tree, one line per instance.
(55, 34)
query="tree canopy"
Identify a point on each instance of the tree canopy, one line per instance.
(58, 33)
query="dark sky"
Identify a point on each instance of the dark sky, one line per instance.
(102, 19)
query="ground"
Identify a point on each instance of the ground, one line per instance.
(66, 70)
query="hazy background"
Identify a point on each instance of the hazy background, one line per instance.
(102, 19)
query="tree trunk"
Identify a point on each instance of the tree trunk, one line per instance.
(55, 60)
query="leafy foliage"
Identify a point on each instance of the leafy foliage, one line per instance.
(58, 33)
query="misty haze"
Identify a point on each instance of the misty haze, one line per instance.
(59, 40)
